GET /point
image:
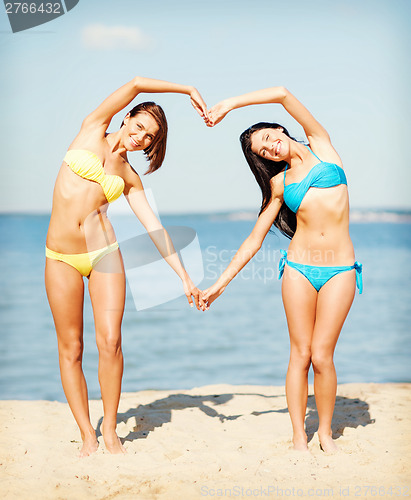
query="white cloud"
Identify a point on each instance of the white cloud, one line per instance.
(99, 36)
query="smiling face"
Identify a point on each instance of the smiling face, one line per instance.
(139, 131)
(271, 144)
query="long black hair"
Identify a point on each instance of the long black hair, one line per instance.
(263, 170)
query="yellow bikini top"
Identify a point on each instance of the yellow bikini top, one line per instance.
(88, 165)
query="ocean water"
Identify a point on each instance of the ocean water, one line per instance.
(242, 339)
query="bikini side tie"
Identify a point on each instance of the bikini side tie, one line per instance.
(281, 264)
(358, 275)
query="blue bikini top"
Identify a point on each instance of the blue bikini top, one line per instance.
(322, 175)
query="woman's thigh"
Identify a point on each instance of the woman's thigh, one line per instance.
(300, 300)
(65, 293)
(333, 304)
(107, 289)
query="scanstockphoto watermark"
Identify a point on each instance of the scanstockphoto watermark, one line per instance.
(264, 492)
(365, 491)
(25, 15)
(146, 256)
(264, 265)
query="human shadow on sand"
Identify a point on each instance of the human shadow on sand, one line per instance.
(348, 412)
(148, 417)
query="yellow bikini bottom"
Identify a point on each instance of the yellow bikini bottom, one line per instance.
(83, 262)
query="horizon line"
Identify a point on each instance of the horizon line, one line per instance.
(353, 210)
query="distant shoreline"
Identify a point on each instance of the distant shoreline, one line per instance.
(356, 215)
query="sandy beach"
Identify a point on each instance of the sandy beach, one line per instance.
(217, 441)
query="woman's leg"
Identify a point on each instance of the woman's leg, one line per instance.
(65, 292)
(107, 292)
(333, 303)
(300, 299)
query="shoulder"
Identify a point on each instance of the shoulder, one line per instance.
(325, 151)
(131, 177)
(89, 137)
(277, 185)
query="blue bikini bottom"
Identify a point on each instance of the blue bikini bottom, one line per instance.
(319, 275)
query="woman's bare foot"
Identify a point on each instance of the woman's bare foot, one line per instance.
(112, 441)
(300, 442)
(90, 445)
(327, 444)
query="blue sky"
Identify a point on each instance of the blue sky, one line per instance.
(347, 61)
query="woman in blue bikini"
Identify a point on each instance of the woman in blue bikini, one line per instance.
(306, 198)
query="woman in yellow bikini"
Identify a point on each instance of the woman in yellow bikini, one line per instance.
(81, 242)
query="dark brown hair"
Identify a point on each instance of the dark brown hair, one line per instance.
(263, 170)
(156, 152)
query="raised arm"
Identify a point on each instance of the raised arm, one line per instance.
(278, 95)
(138, 202)
(122, 97)
(247, 250)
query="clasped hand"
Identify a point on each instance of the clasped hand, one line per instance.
(202, 298)
(210, 116)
